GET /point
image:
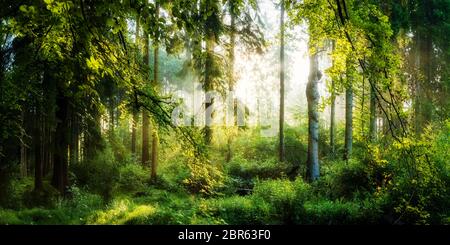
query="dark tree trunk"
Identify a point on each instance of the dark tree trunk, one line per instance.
(60, 165)
(74, 137)
(37, 138)
(49, 121)
(45, 146)
(134, 131)
(92, 135)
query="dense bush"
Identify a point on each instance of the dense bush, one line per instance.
(98, 175)
(46, 197)
(254, 146)
(296, 150)
(420, 189)
(73, 210)
(204, 177)
(243, 173)
(132, 178)
(249, 169)
(342, 179)
(15, 188)
(281, 195)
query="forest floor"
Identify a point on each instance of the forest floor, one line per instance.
(253, 188)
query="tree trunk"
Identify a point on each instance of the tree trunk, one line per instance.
(60, 168)
(333, 119)
(49, 90)
(37, 138)
(231, 79)
(134, 131)
(362, 106)
(348, 123)
(312, 94)
(155, 137)
(373, 115)
(112, 114)
(92, 135)
(424, 106)
(281, 149)
(209, 88)
(135, 119)
(45, 146)
(74, 137)
(145, 117)
(24, 147)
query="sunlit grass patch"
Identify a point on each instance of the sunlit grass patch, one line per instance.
(121, 212)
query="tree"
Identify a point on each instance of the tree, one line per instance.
(155, 137)
(373, 114)
(333, 114)
(233, 11)
(60, 178)
(211, 71)
(429, 81)
(281, 147)
(145, 158)
(348, 122)
(135, 110)
(313, 96)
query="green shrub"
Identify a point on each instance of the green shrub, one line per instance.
(296, 151)
(98, 175)
(327, 212)
(343, 179)
(285, 197)
(171, 207)
(419, 191)
(5, 187)
(9, 217)
(82, 202)
(44, 216)
(170, 216)
(331, 212)
(249, 169)
(253, 146)
(280, 194)
(47, 197)
(15, 191)
(204, 177)
(236, 210)
(132, 178)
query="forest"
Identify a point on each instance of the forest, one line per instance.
(224, 112)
